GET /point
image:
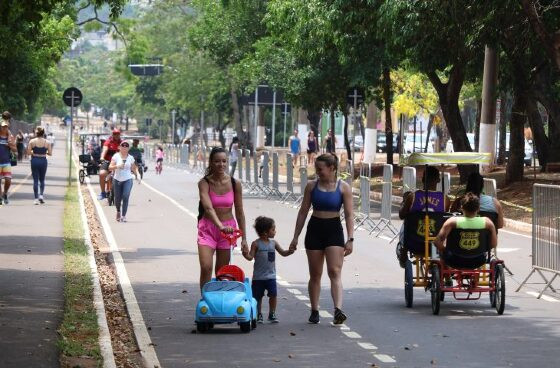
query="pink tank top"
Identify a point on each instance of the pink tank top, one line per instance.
(221, 200)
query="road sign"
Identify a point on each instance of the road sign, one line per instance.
(148, 121)
(143, 70)
(355, 97)
(72, 94)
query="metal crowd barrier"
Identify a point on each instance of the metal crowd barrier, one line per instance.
(349, 173)
(447, 182)
(289, 196)
(362, 218)
(490, 187)
(385, 221)
(409, 179)
(275, 189)
(546, 235)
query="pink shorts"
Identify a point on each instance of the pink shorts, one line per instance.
(209, 234)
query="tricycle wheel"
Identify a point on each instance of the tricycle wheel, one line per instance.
(492, 294)
(435, 289)
(245, 327)
(500, 281)
(82, 175)
(202, 326)
(408, 284)
(442, 296)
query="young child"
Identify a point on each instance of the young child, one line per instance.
(263, 251)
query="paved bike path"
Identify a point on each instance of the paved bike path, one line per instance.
(31, 267)
(159, 248)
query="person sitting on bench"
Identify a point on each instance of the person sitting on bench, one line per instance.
(469, 221)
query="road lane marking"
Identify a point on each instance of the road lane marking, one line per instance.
(325, 314)
(543, 297)
(384, 358)
(507, 250)
(140, 331)
(352, 334)
(302, 297)
(514, 233)
(283, 283)
(367, 346)
(17, 186)
(294, 291)
(181, 207)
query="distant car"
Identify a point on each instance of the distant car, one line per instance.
(226, 301)
(418, 145)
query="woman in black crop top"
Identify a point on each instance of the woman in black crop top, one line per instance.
(38, 148)
(324, 238)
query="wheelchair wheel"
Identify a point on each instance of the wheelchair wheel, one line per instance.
(500, 289)
(435, 289)
(82, 176)
(408, 284)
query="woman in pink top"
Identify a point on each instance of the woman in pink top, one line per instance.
(219, 194)
(159, 159)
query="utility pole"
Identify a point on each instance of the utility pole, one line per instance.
(273, 118)
(173, 112)
(285, 117)
(487, 142)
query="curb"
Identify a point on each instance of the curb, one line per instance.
(104, 334)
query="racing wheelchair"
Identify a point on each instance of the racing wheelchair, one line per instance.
(473, 268)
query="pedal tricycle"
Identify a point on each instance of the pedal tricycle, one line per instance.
(227, 298)
(480, 271)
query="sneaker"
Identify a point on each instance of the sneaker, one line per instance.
(402, 255)
(102, 195)
(6, 201)
(118, 216)
(339, 317)
(36, 202)
(0, 200)
(314, 317)
(272, 318)
(41, 199)
(260, 318)
(123, 219)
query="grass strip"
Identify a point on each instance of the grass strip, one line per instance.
(79, 331)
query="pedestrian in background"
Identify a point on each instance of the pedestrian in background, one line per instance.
(123, 165)
(324, 238)
(7, 148)
(295, 146)
(311, 147)
(19, 146)
(330, 143)
(233, 155)
(38, 149)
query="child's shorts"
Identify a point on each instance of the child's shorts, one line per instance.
(259, 286)
(209, 234)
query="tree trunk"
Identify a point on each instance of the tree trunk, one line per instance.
(333, 110)
(550, 43)
(540, 140)
(388, 119)
(430, 123)
(477, 125)
(448, 95)
(346, 141)
(545, 96)
(505, 111)
(515, 165)
(237, 118)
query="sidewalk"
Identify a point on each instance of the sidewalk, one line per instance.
(31, 266)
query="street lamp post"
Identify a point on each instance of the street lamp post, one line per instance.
(173, 112)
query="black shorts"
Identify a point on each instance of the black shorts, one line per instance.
(104, 165)
(322, 233)
(259, 286)
(456, 261)
(159, 160)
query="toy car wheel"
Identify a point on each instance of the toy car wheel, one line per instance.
(500, 289)
(253, 324)
(202, 327)
(408, 284)
(82, 176)
(245, 327)
(435, 289)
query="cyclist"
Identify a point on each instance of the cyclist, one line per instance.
(159, 159)
(110, 147)
(136, 152)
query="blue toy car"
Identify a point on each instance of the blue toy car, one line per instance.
(226, 299)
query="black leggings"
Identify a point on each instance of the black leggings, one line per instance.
(39, 171)
(322, 233)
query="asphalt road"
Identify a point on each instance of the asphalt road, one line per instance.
(158, 245)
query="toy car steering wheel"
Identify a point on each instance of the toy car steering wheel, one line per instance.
(232, 237)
